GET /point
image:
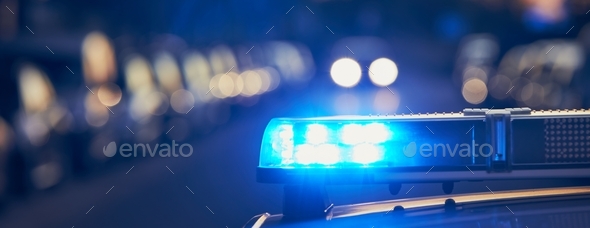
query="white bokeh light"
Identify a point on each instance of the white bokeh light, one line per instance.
(475, 91)
(383, 72)
(346, 72)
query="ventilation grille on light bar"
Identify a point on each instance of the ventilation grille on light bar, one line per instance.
(567, 140)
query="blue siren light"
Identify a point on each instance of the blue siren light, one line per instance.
(354, 142)
(504, 143)
(294, 144)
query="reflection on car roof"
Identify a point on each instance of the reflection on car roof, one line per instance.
(523, 207)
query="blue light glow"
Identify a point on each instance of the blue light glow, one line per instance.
(304, 154)
(376, 133)
(329, 144)
(355, 143)
(284, 143)
(316, 134)
(352, 134)
(366, 153)
(327, 154)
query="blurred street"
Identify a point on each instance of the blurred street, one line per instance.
(81, 81)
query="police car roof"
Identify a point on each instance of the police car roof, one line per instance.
(522, 208)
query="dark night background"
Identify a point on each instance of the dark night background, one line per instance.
(161, 67)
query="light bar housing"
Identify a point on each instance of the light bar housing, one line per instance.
(476, 144)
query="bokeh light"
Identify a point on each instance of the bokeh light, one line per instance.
(383, 72)
(198, 74)
(264, 81)
(238, 84)
(167, 72)
(252, 83)
(138, 74)
(97, 113)
(475, 72)
(475, 91)
(36, 130)
(98, 59)
(346, 72)
(225, 84)
(222, 60)
(182, 101)
(35, 89)
(109, 94)
(46, 175)
(274, 76)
